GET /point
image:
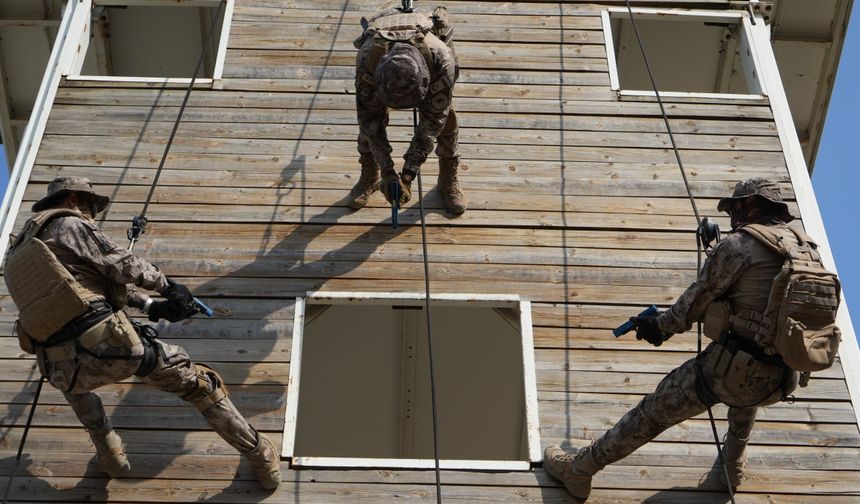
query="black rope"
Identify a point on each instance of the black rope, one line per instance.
(429, 330)
(140, 221)
(698, 227)
(23, 439)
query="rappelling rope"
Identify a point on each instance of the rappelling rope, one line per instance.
(23, 438)
(698, 228)
(139, 222)
(429, 330)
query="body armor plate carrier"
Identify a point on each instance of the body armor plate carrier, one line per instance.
(47, 296)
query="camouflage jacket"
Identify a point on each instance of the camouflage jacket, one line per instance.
(740, 269)
(432, 112)
(86, 251)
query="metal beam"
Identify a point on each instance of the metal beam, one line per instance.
(10, 142)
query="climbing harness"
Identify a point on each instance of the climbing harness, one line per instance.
(705, 229)
(138, 223)
(429, 330)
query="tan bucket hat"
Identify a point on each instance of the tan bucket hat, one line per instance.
(761, 187)
(64, 185)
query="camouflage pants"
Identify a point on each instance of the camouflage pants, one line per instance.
(175, 373)
(677, 399)
(447, 145)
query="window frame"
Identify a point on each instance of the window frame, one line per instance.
(382, 298)
(84, 27)
(747, 52)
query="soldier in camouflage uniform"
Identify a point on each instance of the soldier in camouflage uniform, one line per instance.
(100, 345)
(734, 369)
(406, 60)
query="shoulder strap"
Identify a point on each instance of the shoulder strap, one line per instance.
(773, 237)
(37, 222)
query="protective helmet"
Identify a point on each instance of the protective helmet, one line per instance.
(61, 186)
(402, 77)
(761, 188)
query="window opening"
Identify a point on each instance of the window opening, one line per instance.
(360, 391)
(691, 52)
(129, 41)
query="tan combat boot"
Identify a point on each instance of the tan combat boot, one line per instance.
(110, 455)
(266, 462)
(449, 187)
(735, 457)
(367, 183)
(573, 469)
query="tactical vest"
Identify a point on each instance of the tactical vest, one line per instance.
(47, 295)
(799, 321)
(391, 27)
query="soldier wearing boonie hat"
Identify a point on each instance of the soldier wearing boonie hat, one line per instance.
(730, 296)
(70, 283)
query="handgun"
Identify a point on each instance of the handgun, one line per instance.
(630, 325)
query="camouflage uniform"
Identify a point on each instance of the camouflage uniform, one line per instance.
(437, 118)
(741, 270)
(90, 256)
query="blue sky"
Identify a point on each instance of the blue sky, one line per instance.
(836, 177)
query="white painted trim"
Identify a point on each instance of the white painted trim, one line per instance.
(849, 351)
(157, 3)
(61, 56)
(143, 80)
(324, 297)
(221, 57)
(609, 42)
(472, 465)
(532, 414)
(684, 94)
(530, 383)
(665, 14)
(753, 81)
(291, 414)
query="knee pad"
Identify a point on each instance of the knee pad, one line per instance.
(210, 388)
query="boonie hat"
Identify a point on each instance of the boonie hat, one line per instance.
(64, 185)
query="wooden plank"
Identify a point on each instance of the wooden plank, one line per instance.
(305, 101)
(152, 132)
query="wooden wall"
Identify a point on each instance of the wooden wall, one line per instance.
(576, 203)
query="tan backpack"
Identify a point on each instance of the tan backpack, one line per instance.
(799, 321)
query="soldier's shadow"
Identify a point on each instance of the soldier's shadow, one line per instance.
(30, 483)
(292, 258)
(710, 489)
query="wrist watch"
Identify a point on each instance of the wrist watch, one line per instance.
(146, 306)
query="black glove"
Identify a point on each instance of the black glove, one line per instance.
(647, 329)
(168, 310)
(405, 188)
(178, 293)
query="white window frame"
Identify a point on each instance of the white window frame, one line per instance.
(83, 27)
(377, 298)
(747, 50)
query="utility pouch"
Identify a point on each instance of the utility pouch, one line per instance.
(113, 337)
(24, 340)
(717, 319)
(719, 361)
